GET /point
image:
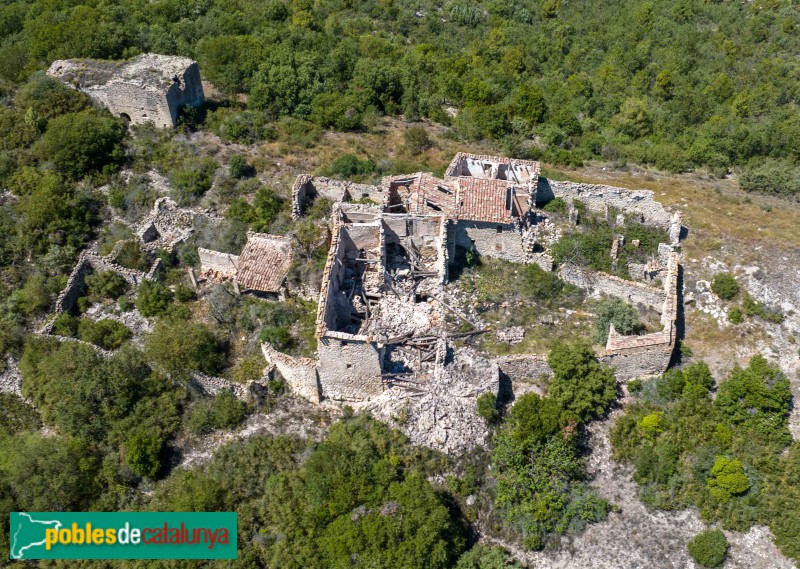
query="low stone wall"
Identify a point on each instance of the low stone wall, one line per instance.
(300, 373)
(213, 385)
(640, 204)
(650, 354)
(597, 283)
(525, 367)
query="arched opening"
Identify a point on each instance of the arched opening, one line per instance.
(126, 117)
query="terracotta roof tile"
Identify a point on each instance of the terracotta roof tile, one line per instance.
(264, 262)
(482, 199)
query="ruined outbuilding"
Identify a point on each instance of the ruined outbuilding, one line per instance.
(149, 88)
(260, 269)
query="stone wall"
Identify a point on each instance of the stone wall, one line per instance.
(349, 370)
(597, 283)
(488, 242)
(525, 367)
(331, 280)
(134, 103)
(300, 373)
(306, 188)
(213, 385)
(638, 205)
(649, 354)
(217, 266)
(75, 287)
(188, 90)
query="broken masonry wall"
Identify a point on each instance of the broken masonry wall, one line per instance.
(302, 193)
(507, 243)
(188, 90)
(307, 188)
(525, 367)
(597, 283)
(75, 287)
(300, 373)
(443, 251)
(213, 385)
(495, 167)
(349, 367)
(643, 363)
(217, 266)
(331, 282)
(639, 204)
(87, 263)
(364, 236)
(649, 354)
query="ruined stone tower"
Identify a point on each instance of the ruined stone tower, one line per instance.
(149, 88)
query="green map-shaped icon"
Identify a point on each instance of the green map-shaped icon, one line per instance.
(28, 534)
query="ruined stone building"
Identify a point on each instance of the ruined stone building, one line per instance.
(149, 88)
(260, 269)
(383, 320)
(485, 201)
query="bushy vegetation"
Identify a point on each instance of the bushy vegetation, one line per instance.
(616, 311)
(709, 548)
(537, 457)
(728, 456)
(224, 411)
(590, 244)
(725, 286)
(361, 492)
(573, 75)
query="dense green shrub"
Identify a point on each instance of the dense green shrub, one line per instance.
(349, 167)
(416, 140)
(752, 307)
(487, 408)
(142, 452)
(238, 166)
(725, 286)
(582, 386)
(483, 557)
(106, 284)
(616, 311)
(361, 491)
(556, 205)
(224, 411)
(724, 456)
(541, 285)
(17, 415)
(184, 293)
(153, 298)
(178, 347)
(709, 548)
(131, 256)
(107, 333)
(735, 315)
(727, 479)
(82, 143)
(192, 179)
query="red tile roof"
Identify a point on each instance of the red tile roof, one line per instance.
(264, 262)
(482, 199)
